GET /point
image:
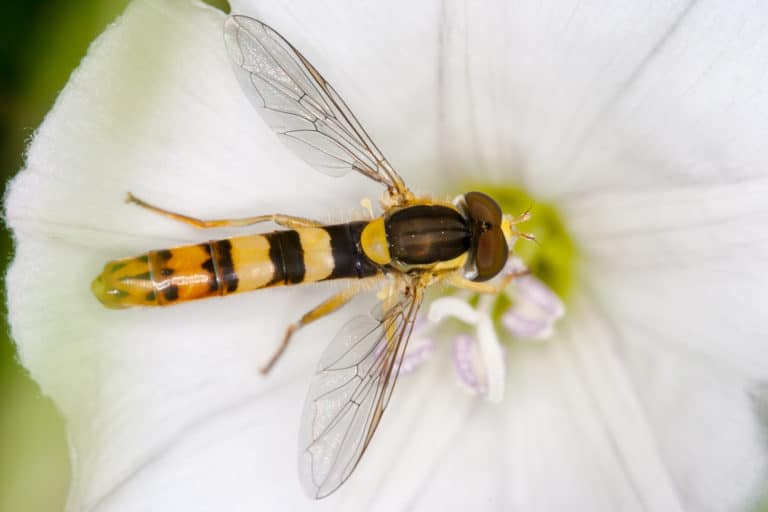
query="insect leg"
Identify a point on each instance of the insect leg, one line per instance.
(277, 218)
(325, 308)
(459, 281)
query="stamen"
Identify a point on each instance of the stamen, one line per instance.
(530, 289)
(452, 307)
(465, 361)
(526, 328)
(534, 310)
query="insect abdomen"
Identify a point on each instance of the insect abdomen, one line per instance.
(165, 276)
(233, 265)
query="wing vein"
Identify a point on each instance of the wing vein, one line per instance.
(351, 390)
(292, 95)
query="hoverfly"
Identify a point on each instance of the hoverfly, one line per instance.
(417, 242)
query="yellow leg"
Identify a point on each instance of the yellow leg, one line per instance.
(278, 218)
(459, 281)
(327, 307)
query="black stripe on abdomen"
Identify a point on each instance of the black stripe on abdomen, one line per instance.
(287, 257)
(223, 266)
(348, 257)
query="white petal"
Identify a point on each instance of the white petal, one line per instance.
(569, 434)
(560, 96)
(689, 111)
(154, 109)
(524, 82)
(490, 89)
(682, 274)
(239, 459)
(686, 263)
(709, 432)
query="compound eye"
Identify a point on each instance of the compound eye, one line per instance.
(491, 254)
(489, 246)
(482, 209)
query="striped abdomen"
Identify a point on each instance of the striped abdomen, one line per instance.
(232, 265)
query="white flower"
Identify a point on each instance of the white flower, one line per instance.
(643, 123)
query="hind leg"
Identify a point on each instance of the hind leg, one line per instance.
(278, 218)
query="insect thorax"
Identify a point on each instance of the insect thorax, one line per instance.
(427, 234)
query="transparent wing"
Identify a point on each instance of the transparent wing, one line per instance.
(351, 389)
(304, 109)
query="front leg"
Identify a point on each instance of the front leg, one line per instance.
(459, 281)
